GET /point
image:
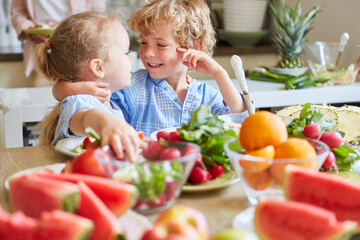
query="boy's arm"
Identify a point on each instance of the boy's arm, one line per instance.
(63, 89)
(201, 62)
(113, 131)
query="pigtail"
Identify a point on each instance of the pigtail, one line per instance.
(48, 126)
(42, 60)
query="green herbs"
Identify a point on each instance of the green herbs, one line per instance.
(309, 115)
(345, 156)
(151, 178)
(207, 131)
(290, 82)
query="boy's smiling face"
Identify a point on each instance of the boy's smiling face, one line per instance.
(159, 56)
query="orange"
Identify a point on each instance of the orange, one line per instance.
(258, 180)
(266, 153)
(295, 151)
(262, 129)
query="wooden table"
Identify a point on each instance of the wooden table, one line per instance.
(219, 206)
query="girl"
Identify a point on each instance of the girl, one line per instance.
(89, 46)
(175, 36)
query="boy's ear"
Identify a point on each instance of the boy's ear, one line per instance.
(97, 67)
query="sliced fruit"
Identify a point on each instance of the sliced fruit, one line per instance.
(290, 111)
(258, 180)
(32, 195)
(107, 227)
(276, 219)
(55, 225)
(265, 155)
(323, 190)
(117, 196)
(349, 123)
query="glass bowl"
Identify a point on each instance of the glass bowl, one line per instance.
(322, 56)
(263, 177)
(159, 173)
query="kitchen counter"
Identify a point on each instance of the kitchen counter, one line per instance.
(268, 94)
(219, 206)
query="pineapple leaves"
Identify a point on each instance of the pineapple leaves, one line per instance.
(290, 29)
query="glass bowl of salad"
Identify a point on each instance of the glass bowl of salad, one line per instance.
(159, 174)
(263, 177)
(322, 56)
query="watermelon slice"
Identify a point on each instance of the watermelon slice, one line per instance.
(33, 195)
(323, 190)
(275, 219)
(117, 196)
(107, 227)
(55, 225)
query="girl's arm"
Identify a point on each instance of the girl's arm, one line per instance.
(201, 62)
(63, 89)
(113, 131)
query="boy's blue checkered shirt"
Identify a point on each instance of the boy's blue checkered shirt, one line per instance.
(151, 104)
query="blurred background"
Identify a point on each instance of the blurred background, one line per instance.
(251, 32)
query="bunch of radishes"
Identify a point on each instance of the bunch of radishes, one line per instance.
(200, 173)
(331, 138)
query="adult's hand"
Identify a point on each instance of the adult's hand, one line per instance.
(36, 38)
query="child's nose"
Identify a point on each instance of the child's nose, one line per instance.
(149, 52)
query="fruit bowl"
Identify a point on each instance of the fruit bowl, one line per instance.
(159, 174)
(262, 176)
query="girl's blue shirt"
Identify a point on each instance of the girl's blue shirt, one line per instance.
(151, 104)
(71, 105)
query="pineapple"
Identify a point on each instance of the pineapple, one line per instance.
(290, 31)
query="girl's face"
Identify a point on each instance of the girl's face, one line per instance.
(158, 53)
(119, 65)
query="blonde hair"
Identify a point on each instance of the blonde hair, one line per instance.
(190, 18)
(75, 41)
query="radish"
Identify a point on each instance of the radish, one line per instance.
(329, 162)
(198, 159)
(187, 150)
(174, 137)
(170, 153)
(312, 130)
(198, 175)
(162, 134)
(152, 151)
(332, 139)
(216, 171)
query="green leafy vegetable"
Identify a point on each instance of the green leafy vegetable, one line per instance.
(207, 131)
(309, 115)
(345, 156)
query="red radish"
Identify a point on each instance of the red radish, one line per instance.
(198, 159)
(170, 153)
(160, 201)
(332, 139)
(163, 134)
(152, 151)
(174, 137)
(312, 130)
(187, 150)
(216, 171)
(170, 189)
(329, 162)
(198, 175)
(208, 176)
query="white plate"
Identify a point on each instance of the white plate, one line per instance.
(225, 180)
(134, 224)
(171, 129)
(67, 146)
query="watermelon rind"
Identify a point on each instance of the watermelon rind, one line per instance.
(323, 190)
(276, 219)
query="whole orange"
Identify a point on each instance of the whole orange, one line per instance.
(261, 129)
(296, 151)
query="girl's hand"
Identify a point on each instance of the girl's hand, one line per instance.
(199, 61)
(36, 38)
(120, 136)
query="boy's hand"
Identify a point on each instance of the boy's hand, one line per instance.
(199, 61)
(100, 90)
